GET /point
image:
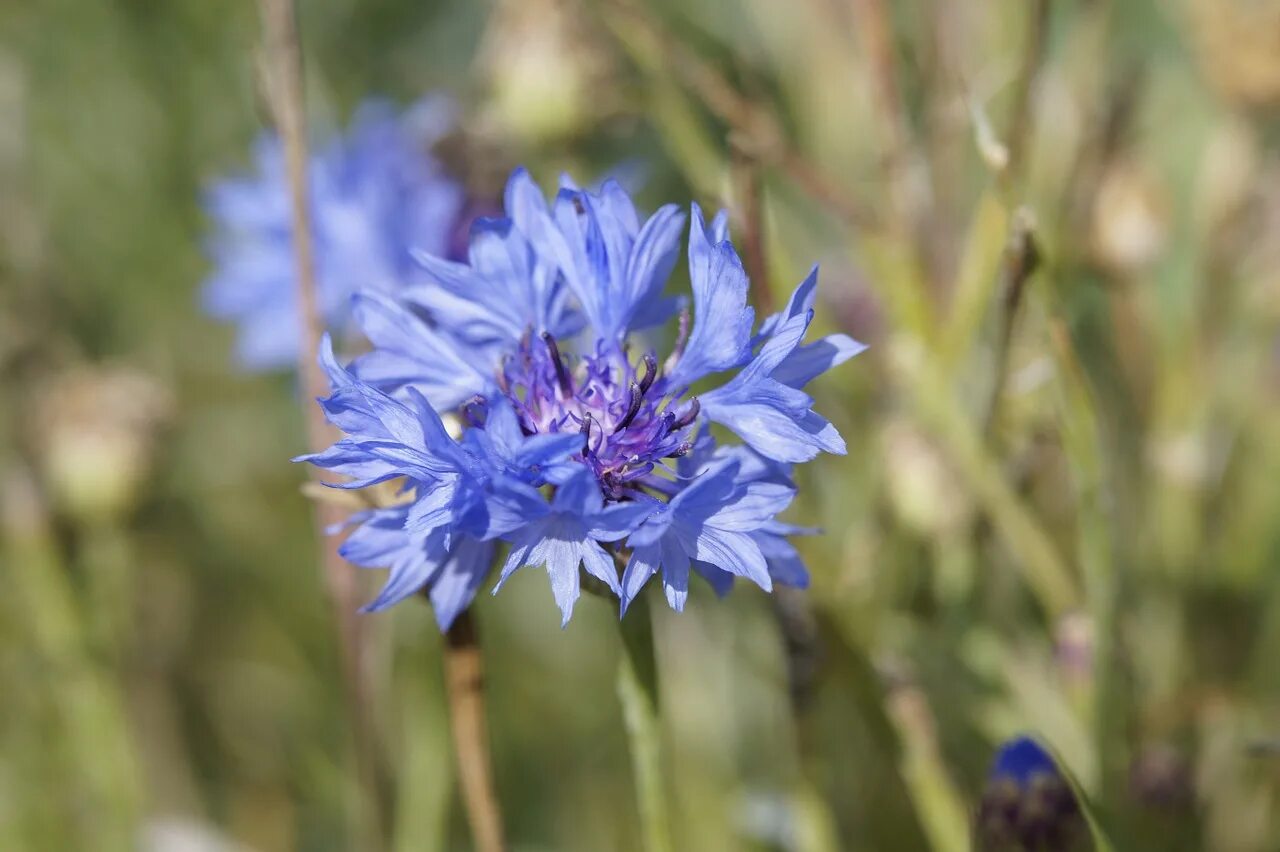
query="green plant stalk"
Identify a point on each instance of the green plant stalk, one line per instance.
(638, 692)
(942, 813)
(282, 72)
(1044, 570)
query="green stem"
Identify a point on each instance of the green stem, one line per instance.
(638, 692)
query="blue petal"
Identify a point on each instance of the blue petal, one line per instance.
(600, 565)
(773, 418)
(675, 574)
(620, 520)
(523, 200)
(348, 459)
(653, 256)
(456, 585)
(734, 552)
(721, 335)
(805, 363)
(721, 581)
(410, 352)
(417, 565)
(378, 540)
(559, 547)
(433, 507)
(509, 505)
(579, 496)
(771, 430)
(808, 362)
(785, 565)
(707, 493)
(754, 505)
(596, 256)
(561, 559)
(642, 565)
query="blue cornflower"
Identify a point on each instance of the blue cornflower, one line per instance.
(1022, 760)
(1027, 805)
(375, 192)
(578, 445)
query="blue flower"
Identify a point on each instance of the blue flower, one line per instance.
(1027, 804)
(375, 194)
(1021, 760)
(578, 446)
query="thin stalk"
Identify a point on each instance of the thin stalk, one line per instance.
(638, 692)
(282, 66)
(792, 608)
(874, 22)
(464, 682)
(875, 27)
(748, 191)
(1021, 257)
(1018, 138)
(661, 55)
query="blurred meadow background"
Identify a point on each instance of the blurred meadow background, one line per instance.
(1057, 224)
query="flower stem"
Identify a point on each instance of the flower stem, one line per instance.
(282, 71)
(464, 680)
(638, 692)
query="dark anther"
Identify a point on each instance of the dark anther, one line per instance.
(634, 398)
(586, 431)
(577, 205)
(650, 373)
(562, 372)
(504, 384)
(682, 332)
(690, 414)
(682, 450)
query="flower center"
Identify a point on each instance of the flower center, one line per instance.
(626, 415)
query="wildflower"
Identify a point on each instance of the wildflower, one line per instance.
(1027, 804)
(580, 447)
(375, 192)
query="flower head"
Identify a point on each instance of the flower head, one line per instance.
(1027, 804)
(375, 192)
(581, 445)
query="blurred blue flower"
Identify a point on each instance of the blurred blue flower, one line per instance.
(1021, 760)
(576, 444)
(1027, 805)
(376, 193)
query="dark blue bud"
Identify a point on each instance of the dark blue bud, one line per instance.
(1027, 804)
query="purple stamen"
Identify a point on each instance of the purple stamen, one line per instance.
(476, 411)
(634, 397)
(650, 373)
(562, 372)
(690, 414)
(635, 473)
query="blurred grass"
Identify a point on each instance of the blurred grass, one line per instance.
(1095, 562)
